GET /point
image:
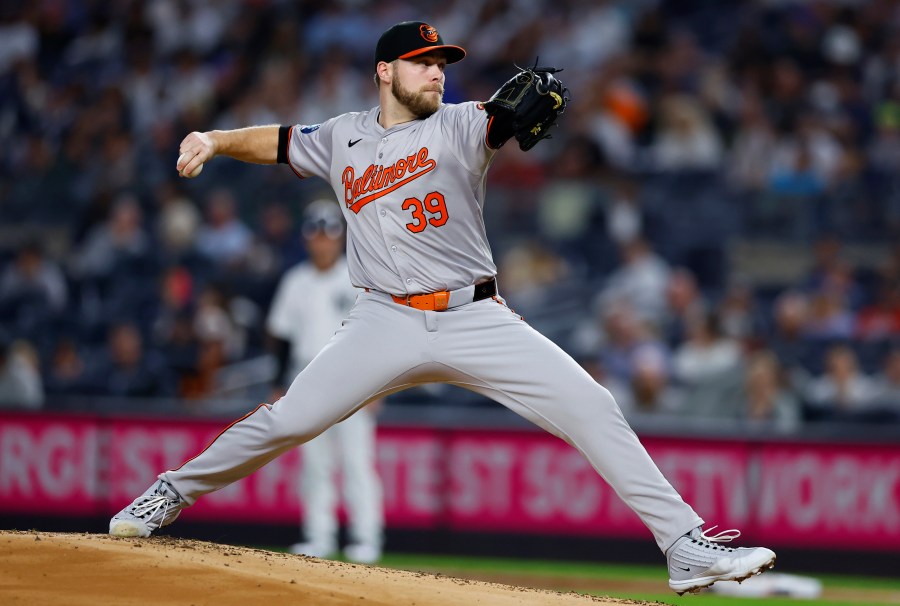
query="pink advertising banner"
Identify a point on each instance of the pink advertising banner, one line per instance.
(509, 481)
(50, 466)
(825, 496)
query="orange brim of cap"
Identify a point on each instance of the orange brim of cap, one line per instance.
(453, 53)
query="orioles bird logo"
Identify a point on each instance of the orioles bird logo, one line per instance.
(429, 33)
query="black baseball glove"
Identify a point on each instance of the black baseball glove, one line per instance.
(528, 105)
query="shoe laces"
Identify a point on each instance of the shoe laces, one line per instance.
(726, 536)
(152, 504)
(710, 541)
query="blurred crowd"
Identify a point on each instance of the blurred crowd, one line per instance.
(694, 126)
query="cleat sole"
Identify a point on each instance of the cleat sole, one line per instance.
(704, 583)
(125, 530)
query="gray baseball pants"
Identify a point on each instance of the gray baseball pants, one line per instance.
(383, 347)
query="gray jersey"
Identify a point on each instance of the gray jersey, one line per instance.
(406, 235)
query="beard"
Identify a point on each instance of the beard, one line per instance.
(422, 103)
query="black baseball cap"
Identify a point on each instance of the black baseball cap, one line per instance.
(411, 38)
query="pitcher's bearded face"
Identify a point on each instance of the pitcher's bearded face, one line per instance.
(421, 103)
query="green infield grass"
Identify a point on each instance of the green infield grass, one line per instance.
(634, 582)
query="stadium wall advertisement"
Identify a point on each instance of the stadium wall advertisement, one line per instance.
(842, 496)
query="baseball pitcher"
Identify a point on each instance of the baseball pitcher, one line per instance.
(410, 174)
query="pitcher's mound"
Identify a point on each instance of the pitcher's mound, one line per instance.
(47, 569)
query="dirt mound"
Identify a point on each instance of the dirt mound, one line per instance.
(42, 568)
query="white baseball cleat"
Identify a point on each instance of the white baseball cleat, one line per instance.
(697, 560)
(362, 553)
(158, 506)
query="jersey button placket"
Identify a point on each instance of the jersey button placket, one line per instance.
(382, 212)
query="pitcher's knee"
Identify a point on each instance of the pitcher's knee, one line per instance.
(604, 397)
(292, 426)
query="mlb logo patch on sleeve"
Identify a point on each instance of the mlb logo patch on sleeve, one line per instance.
(309, 128)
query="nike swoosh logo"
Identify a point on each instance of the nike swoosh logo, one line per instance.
(351, 143)
(684, 569)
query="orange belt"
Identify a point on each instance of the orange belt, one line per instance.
(439, 301)
(433, 301)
